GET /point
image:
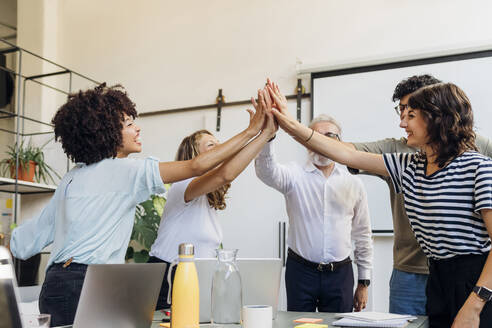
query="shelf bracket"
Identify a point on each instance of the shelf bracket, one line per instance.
(299, 92)
(220, 102)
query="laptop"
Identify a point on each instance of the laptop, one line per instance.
(119, 295)
(260, 281)
(9, 311)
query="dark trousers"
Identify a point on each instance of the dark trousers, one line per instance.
(309, 289)
(162, 300)
(28, 270)
(61, 292)
(450, 283)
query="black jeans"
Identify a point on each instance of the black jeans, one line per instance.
(61, 292)
(162, 300)
(450, 283)
(309, 289)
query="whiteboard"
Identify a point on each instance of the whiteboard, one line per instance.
(359, 98)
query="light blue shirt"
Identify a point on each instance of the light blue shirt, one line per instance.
(90, 217)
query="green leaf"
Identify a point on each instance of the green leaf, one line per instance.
(159, 203)
(141, 257)
(146, 224)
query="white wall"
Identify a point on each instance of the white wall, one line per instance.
(171, 54)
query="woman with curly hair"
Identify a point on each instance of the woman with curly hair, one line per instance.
(447, 188)
(190, 214)
(90, 217)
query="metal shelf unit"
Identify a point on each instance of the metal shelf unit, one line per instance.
(15, 186)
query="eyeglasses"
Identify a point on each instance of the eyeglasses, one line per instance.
(332, 135)
(400, 108)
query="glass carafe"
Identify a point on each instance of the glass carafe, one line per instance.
(227, 298)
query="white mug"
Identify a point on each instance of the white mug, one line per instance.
(257, 316)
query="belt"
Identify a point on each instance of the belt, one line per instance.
(68, 263)
(331, 266)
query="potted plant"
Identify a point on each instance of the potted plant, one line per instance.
(31, 163)
(147, 219)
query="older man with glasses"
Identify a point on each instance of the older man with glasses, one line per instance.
(409, 277)
(327, 209)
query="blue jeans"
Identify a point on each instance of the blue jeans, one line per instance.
(61, 292)
(407, 293)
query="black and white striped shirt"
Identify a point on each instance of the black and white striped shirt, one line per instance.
(444, 207)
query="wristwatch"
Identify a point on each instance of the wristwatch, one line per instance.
(483, 292)
(364, 282)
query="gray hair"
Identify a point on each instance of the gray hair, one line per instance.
(326, 118)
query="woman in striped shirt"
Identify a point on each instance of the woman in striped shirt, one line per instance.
(448, 197)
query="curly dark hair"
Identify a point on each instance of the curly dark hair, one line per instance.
(448, 114)
(412, 84)
(187, 150)
(89, 124)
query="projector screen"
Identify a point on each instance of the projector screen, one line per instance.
(359, 98)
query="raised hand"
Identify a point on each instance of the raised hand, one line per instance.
(280, 102)
(257, 119)
(279, 108)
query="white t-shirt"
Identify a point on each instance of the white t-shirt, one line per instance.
(194, 222)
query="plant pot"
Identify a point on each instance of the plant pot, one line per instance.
(24, 173)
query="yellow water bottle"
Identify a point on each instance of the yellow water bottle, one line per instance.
(185, 293)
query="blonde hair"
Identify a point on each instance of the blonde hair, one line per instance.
(187, 150)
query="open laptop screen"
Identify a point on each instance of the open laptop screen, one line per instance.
(9, 311)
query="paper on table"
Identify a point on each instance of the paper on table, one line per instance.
(391, 323)
(375, 316)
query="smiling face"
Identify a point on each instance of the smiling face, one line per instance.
(206, 142)
(416, 128)
(130, 134)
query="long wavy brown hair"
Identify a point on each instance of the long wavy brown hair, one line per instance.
(187, 150)
(448, 113)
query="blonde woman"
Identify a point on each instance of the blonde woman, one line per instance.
(190, 214)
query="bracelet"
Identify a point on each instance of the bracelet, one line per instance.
(312, 133)
(272, 138)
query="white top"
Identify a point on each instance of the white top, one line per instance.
(325, 214)
(194, 222)
(90, 217)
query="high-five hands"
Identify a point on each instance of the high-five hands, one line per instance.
(279, 108)
(264, 105)
(257, 118)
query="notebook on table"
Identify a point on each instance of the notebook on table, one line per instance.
(372, 316)
(373, 319)
(394, 323)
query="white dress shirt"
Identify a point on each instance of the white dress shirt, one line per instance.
(325, 214)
